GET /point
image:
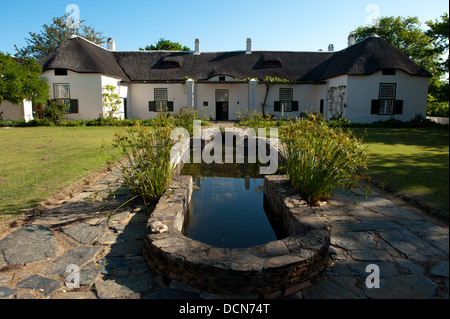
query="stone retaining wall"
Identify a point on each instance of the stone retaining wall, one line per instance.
(273, 270)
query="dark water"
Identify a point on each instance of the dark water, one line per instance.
(228, 208)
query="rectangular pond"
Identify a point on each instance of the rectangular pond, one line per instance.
(228, 208)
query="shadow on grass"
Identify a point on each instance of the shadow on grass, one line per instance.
(422, 176)
(431, 138)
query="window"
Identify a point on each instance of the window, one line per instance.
(62, 95)
(160, 100)
(387, 98)
(61, 91)
(60, 72)
(386, 107)
(286, 102)
(271, 64)
(387, 104)
(388, 72)
(222, 96)
(170, 65)
(161, 103)
(221, 79)
(286, 97)
(387, 91)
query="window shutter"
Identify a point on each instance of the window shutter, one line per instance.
(294, 106)
(151, 106)
(74, 106)
(375, 106)
(398, 107)
(277, 106)
(286, 94)
(170, 106)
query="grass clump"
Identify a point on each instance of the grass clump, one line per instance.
(321, 159)
(149, 169)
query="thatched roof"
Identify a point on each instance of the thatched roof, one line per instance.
(363, 58)
(80, 55)
(149, 65)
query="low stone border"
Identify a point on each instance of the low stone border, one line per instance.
(274, 270)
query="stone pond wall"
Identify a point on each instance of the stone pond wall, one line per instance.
(273, 270)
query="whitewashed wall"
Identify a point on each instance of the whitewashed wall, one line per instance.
(308, 96)
(139, 94)
(336, 82)
(86, 88)
(106, 80)
(28, 111)
(12, 111)
(361, 90)
(206, 92)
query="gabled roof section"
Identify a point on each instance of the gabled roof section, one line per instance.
(80, 55)
(364, 58)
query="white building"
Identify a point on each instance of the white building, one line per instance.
(366, 82)
(22, 111)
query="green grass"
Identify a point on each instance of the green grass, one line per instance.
(412, 161)
(38, 162)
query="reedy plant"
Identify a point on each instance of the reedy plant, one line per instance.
(149, 170)
(321, 159)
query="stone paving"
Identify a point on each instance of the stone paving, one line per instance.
(410, 249)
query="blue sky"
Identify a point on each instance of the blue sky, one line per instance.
(295, 25)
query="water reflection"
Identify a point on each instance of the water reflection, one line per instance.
(227, 209)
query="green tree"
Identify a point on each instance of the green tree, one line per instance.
(439, 32)
(19, 80)
(166, 45)
(439, 89)
(53, 35)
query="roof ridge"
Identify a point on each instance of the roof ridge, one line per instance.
(75, 36)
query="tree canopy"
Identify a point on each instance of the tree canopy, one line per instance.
(53, 35)
(165, 45)
(19, 80)
(439, 33)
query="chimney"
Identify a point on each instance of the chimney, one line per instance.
(197, 47)
(249, 46)
(351, 40)
(111, 44)
(331, 48)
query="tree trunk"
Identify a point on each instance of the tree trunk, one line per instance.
(268, 85)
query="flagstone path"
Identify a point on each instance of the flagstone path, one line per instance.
(409, 247)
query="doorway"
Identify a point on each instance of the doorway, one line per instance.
(222, 105)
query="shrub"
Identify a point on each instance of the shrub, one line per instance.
(436, 108)
(257, 120)
(320, 159)
(186, 117)
(149, 170)
(55, 112)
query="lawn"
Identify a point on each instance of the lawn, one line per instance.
(38, 162)
(413, 161)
